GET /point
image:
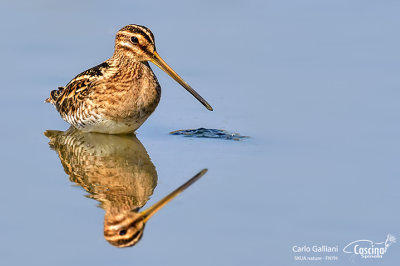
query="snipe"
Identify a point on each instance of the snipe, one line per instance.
(117, 171)
(118, 95)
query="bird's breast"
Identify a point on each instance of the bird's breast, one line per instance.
(128, 94)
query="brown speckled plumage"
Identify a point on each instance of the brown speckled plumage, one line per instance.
(118, 95)
(114, 170)
(117, 172)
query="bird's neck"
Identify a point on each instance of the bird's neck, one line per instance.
(120, 204)
(122, 60)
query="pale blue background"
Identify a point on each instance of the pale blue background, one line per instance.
(314, 83)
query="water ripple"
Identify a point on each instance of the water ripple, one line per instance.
(209, 133)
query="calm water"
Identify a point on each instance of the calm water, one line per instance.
(314, 83)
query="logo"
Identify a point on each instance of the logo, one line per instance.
(368, 249)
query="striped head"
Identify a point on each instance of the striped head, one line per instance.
(136, 43)
(124, 229)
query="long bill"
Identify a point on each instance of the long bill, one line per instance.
(158, 61)
(146, 214)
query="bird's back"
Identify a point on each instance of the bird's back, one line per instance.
(108, 98)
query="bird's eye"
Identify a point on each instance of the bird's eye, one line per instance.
(134, 40)
(122, 232)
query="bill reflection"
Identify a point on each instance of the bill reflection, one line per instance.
(117, 172)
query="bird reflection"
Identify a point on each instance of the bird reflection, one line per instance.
(116, 171)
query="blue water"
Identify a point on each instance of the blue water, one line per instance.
(313, 83)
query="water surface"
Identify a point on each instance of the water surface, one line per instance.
(314, 83)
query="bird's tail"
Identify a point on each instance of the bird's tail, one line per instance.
(54, 95)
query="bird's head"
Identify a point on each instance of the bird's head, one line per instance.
(137, 43)
(124, 229)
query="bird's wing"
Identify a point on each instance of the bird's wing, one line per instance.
(67, 98)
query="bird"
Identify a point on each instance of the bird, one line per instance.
(126, 229)
(118, 95)
(117, 171)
